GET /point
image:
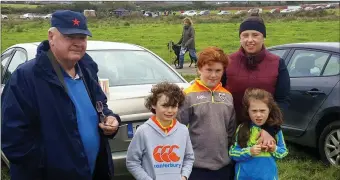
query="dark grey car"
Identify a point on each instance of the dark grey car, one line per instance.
(313, 118)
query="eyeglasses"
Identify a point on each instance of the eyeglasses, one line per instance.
(102, 116)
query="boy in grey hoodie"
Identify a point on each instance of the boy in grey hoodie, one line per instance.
(161, 148)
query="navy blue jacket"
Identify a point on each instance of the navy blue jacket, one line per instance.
(39, 131)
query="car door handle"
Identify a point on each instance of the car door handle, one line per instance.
(314, 92)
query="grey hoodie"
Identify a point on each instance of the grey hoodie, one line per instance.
(154, 155)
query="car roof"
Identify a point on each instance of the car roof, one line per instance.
(92, 45)
(327, 46)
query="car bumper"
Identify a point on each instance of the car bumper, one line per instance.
(119, 163)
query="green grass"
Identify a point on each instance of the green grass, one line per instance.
(4, 172)
(155, 36)
(19, 5)
(301, 164)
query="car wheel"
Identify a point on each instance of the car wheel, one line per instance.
(329, 144)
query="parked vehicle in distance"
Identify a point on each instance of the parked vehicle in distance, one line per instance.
(189, 13)
(273, 11)
(255, 10)
(205, 12)
(224, 13)
(29, 16)
(285, 11)
(4, 16)
(48, 16)
(241, 12)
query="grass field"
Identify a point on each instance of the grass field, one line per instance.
(300, 164)
(19, 5)
(155, 36)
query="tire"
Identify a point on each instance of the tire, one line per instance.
(330, 136)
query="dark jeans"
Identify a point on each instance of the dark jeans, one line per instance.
(225, 173)
(182, 52)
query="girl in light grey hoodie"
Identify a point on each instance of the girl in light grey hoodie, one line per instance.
(161, 148)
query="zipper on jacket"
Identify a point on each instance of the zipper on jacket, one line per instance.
(212, 96)
(211, 91)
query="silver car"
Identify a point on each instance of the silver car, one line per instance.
(131, 71)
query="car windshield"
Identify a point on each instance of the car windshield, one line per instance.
(132, 67)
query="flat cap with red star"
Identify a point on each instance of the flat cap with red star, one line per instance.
(70, 22)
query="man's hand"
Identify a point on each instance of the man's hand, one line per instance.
(265, 140)
(110, 125)
(184, 178)
(255, 150)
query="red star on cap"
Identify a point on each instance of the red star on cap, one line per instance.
(75, 22)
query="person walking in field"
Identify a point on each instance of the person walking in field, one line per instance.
(187, 42)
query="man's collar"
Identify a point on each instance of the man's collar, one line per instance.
(78, 73)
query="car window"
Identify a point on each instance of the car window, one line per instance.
(124, 67)
(333, 66)
(4, 59)
(279, 52)
(18, 58)
(307, 63)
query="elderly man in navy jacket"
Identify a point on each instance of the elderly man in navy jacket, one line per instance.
(51, 128)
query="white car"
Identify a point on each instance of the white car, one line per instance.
(205, 12)
(190, 13)
(224, 13)
(309, 9)
(255, 10)
(131, 70)
(150, 14)
(285, 11)
(241, 12)
(296, 9)
(48, 16)
(272, 11)
(4, 16)
(29, 16)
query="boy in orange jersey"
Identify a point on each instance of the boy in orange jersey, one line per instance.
(209, 112)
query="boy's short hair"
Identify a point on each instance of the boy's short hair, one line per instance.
(174, 93)
(212, 55)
